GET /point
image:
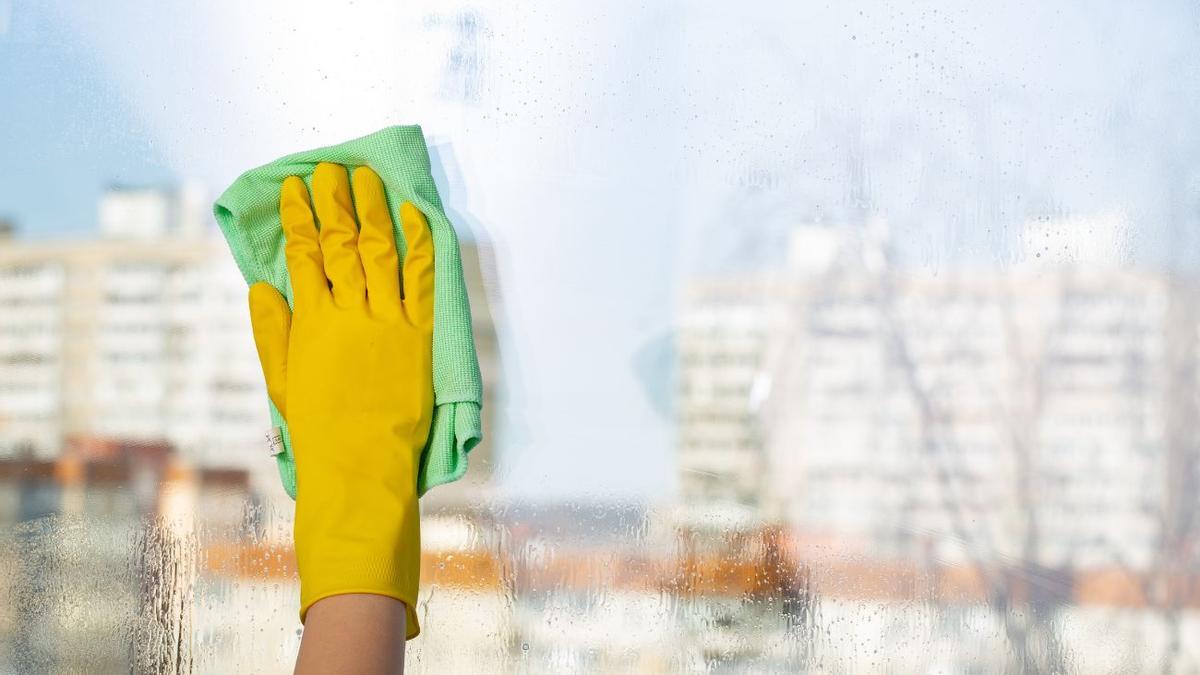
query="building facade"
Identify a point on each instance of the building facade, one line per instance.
(1040, 414)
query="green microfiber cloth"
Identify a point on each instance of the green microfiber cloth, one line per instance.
(248, 213)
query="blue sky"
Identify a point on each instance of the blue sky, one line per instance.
(68, 130)
(610, 151)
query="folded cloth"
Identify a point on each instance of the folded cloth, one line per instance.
(248, 214)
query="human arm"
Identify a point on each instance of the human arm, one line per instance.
(353, 633)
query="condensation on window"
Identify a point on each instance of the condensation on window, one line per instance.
(815, 337)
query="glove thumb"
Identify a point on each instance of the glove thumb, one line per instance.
(271, 321)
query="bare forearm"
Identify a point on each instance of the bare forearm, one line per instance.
(356, 634)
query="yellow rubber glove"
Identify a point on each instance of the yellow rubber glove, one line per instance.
(351, 370)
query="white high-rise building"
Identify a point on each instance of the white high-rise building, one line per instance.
(149, 213)
(142, 335)
(130, 340)
(1038, 414)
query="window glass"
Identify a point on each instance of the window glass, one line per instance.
(816, 337)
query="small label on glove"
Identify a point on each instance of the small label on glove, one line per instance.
(275, 441)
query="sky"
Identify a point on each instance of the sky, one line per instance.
(608, 152)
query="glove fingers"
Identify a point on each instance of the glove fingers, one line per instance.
(377, 243)
(418, 267)
(306, 268)
(339, 234)
(271, 322)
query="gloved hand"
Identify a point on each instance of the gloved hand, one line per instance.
(351, 370)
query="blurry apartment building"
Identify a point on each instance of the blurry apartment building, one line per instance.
(140, 335)
(1043, 413)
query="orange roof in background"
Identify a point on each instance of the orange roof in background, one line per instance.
(874, 581)
(759, 564)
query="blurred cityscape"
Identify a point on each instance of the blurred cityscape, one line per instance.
(880, 470)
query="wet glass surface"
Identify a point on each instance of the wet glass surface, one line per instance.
(846, 337)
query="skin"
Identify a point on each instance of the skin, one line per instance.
(353, 634)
